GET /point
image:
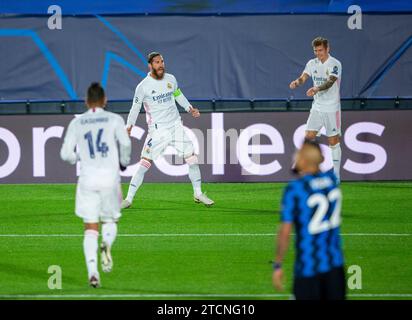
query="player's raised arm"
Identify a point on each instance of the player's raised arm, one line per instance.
(67, 152)
(125, 145)
(135, 110)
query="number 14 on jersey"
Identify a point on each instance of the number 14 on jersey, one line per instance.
(100, 146)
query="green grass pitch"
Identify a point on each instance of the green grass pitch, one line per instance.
(171, 248)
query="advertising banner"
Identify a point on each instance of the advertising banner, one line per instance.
(232, 147)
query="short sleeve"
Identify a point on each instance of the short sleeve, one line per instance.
(138, 94)
(307, 69)
(288, 204)
(335, 70)
(137, 103)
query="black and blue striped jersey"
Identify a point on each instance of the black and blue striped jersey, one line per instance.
(313, 204)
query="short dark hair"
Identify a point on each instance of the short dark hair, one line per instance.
(320, 41)
(95, 93)
(152, 55)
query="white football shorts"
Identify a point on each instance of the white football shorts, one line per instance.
(330, 120)
(98, 204)
(158, 139)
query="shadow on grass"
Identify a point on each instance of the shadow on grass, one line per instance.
(190, 207)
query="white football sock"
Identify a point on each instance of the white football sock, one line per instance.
(195, 178)
(109, 233)
(137, 179)
(336, 157)
(90, 251)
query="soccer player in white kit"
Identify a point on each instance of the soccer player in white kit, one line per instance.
(103, 145)
(325, 72)
(159, 93)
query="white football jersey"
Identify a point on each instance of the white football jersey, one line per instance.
(159, 101)
(325, 100)
(97, 134)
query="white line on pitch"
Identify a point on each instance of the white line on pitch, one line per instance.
(269, 295)
(200, 235)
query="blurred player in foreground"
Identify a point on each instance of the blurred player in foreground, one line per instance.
(325, 72)
(312, 204)
(100, 136)
(159, 93)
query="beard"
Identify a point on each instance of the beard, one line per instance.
(157, 74)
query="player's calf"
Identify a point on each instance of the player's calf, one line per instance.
(109, 233)
(136, 182)
(106, 257)
(334, 144)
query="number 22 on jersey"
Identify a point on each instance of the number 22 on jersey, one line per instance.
(319, 224)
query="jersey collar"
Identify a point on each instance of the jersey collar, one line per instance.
(95, 110)
(325, 60)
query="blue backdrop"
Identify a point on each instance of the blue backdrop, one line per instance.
(213, 57)
(202, 6)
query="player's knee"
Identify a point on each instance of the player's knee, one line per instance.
(145, 163)
(191, 160)
(333, 140)
(310, 135)
(91, 226)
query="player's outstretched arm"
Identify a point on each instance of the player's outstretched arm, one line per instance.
(282, 247)
(299, 81)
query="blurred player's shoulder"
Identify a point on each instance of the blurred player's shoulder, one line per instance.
(322, 180)
(170, 77)
(143, 81)
(313, 62)
(334, 63)
(333, 60)
(331, 174)
(293, 185)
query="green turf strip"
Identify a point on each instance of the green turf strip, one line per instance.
(174, 260)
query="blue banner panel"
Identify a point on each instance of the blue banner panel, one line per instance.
(70, 7)
(212, 57)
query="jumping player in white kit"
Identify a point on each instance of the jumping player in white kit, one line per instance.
(103, 146)
(159, 93)
(325, 72)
